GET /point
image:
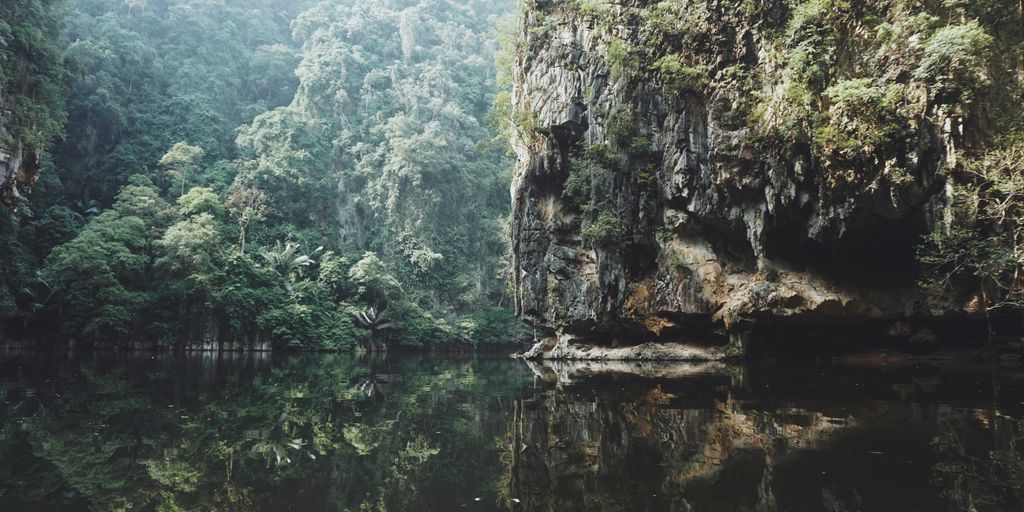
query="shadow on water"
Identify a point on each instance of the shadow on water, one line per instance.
(331, 432)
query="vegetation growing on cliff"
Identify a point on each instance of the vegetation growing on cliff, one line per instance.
(979, 246)
(800, 122)
(853, 80)
(32, 75)
(32, 87)
(265, 172)
(790, 145)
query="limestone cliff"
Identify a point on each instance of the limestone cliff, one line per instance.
(33, 81)
(695, 171)
(18, 167)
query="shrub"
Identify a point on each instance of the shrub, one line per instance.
(679, 78)
(491, 326)
(605, 231)
(623, 58)
(200, 200)
(955, 63)
(862, 117)
(309, 318)
(675, 20)
(588, 176)
(594, 7)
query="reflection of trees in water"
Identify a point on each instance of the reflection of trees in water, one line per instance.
(372, 382)
(980, 464)
(213, 434)
(702, 440)
(334, 433)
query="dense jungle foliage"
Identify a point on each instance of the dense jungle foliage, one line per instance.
(32, 75)
(323, 174)
(255, 173)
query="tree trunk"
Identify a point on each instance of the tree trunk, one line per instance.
(988, 317)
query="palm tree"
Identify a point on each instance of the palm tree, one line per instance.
(375, 322)
(41, 303)
(283, 259)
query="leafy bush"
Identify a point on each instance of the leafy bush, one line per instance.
(605, 231)
(955, 63)
(981, 243)
(588, 177)
(862, 118)
(679, 78)
(416, 327)
(98, 274)
(243, 293)
(192, 243)
(594, 7)
(813, 35)
(375, 283)
(491, 326)
(310, 319)
(623, 58)
(675, 21)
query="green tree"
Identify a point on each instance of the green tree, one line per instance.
(981, 246)
(284, 259)
(336, 125)
(375, 283)
(192, 244)
(101, 276)
(200, 200)
(955, 63)
(33, 76)
(181, 161)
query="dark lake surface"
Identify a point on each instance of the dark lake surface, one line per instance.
(257, 432)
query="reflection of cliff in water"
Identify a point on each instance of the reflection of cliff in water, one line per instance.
(720, 438)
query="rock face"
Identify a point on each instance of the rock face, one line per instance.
(18, 167)
(657, 199)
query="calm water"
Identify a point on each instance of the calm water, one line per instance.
(316, 433)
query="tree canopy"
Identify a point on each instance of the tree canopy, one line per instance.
(260, 173)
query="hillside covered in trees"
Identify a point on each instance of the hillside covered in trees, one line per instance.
(333, 174)
(252, 173)
(770, 254)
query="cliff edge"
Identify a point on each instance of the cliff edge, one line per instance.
(698, 177)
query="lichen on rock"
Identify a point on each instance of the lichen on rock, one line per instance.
(19, 166)
(696, 171)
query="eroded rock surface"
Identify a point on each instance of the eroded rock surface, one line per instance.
(695, 228)
(18, 167)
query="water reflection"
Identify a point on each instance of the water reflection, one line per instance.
(261, 432)
(224, 433)
(769, 438)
